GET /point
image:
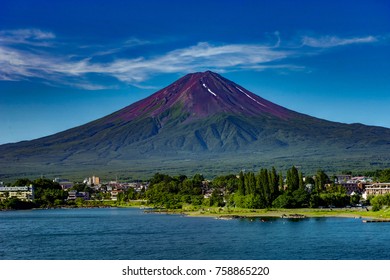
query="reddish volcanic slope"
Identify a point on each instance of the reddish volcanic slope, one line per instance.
(202, 95)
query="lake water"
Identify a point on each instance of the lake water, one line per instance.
(116, 233)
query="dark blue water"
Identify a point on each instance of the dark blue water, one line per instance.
(133, 234)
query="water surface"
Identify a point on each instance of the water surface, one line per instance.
(119, 233)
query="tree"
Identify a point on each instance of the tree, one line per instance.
(379, 201)
(300, 176)
(198, 178)
(320, 180)
(385, 176)
(190, 187)
(300, 198)
(120, 197)
(250, 183)
(197, 199)
(315, 200)
(238, 200)
(274, 183)
(79, 202)
(310, 180)
(17, 204)
(173, 192)
(292, 179)
(46, 192)
(216, 198)
(22, 182)
(264, 191)
(241, 183)
(335, 195)
(130, 194)
(281, 182)
(283, 201)
(355, 199)
(181, 178)
(252, 201)
(158, 178)
(232, 184)
(79, 187)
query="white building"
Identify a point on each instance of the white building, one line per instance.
(94, 180)
(376, 189)
(25, 193)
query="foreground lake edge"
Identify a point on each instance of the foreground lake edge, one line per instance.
(215, 212)
(224, 212)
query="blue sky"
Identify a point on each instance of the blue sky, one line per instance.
(64, 63)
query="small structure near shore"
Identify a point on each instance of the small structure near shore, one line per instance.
(292, 216)
(376, 221)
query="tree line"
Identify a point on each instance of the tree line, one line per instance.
(264, 189)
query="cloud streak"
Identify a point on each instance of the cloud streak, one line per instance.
(195, 58)
(33, 37)
(334, 41)
(78, 70)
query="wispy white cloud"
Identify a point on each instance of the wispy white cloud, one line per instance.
(27, 34)
(194, 58)
(334, 41)
(79, 69)
(35, 37)
(103, 50)
(18, 64)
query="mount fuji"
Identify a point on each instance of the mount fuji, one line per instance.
(200, 123)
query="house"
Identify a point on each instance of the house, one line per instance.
(342, 178)
(114, 194)
(64, 183)
(73, 195)
(353, 184)
(207, 193)
(354, 187)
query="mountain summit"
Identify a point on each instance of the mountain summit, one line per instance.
(203, 95)
(201, 122)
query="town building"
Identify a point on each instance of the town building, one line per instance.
(354, 187)
(350, 187)
(342, 178)
(377, 189)
(351, 184)
(73, 195)
(94, 180)
(64, 183)
(114, 194)
(25, 193)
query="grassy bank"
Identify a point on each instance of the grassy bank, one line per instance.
(131, 203)
(307, 212)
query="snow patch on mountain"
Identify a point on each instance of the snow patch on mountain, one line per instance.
(206, 87)
(251, 97)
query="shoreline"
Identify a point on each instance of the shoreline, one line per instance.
(221, 213)
(282, 213)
